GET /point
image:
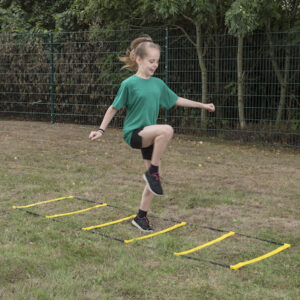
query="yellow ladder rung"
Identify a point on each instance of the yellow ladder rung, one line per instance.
(206, 245)
(109, 223)
(76, 212)
(156, 233)
(248, 262)
(43, 202)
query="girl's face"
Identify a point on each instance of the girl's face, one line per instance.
(148, 65)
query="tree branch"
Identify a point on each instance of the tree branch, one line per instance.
(294, 11)
(186, 34)
(272, 53)
(189, 18)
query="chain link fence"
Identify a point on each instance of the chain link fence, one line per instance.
(74, 77)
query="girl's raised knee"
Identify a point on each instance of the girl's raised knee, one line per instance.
(169, 131)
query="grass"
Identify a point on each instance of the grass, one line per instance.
(247, 189)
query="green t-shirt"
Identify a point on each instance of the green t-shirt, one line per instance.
(142, 99)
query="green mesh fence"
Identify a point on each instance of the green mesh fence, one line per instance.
(74, 77)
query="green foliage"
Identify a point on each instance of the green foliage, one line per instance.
(34, 16)
(279, 15)
(243, 17)
(167, 8)
(110, 13)
(5, 4)
(69, 20)
(13, 19)
(174, 11)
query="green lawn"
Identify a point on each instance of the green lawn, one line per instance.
(247, 189)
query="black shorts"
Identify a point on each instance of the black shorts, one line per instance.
(136, 143)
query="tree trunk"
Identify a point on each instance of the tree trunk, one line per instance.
(203, 74)
(283, 87)
(240, 76)
(283, 80)
(218, 100)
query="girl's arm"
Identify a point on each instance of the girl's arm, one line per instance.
(189, 103)
(110, 113)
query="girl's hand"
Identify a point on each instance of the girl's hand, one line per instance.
(95, 135)
(210, 107)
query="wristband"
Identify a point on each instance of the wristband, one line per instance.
(101, 130)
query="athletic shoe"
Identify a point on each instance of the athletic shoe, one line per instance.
(153, 183)
(142, 224)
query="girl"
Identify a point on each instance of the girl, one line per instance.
(143, 95)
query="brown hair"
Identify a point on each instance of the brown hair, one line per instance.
(137, 48)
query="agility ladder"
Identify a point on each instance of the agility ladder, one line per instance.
(238, 265)
(183, 253)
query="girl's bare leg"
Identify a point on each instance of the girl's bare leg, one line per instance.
(147, 196)
(160, 136)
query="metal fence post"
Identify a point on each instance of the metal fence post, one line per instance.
(51, 77)
(166, 65)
